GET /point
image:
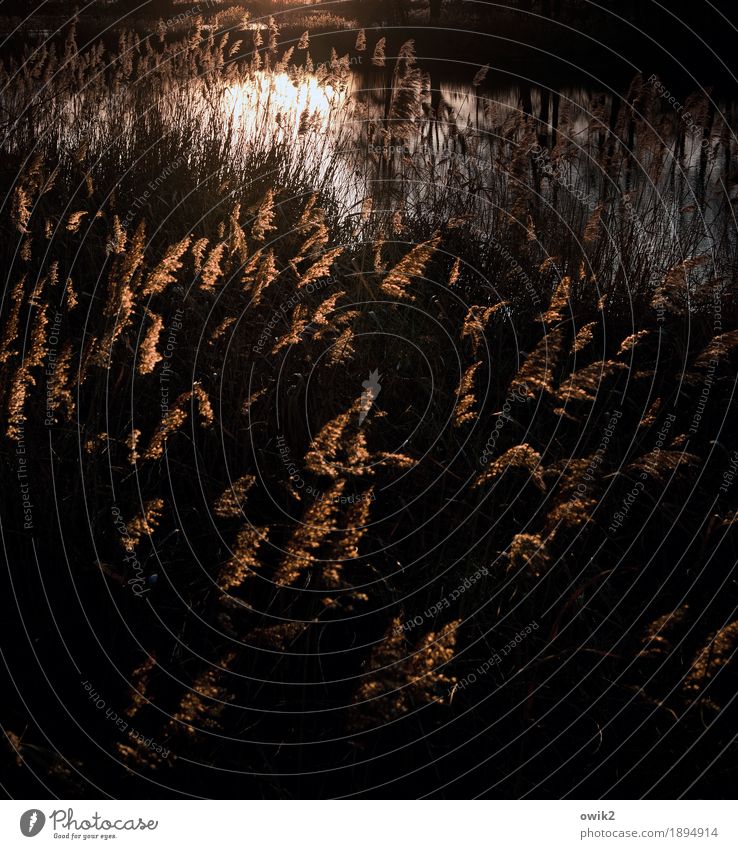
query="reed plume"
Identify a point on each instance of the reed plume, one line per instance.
(660, 462)
(453, 276)
(244, 560)
(718, 651)
(354, 528)
(24, 377)
(75, 220)
(21, 209)
(583, 385)
(140, 678)
(475, 323)
(143, 524)
(466, 397)
(378, 55)
(584, 337)
(204, 701)
(165, 272)
(528, 552)
(518, 458)
(480, 76)
(297, 327)
(319, 269)
(198, 252)
(10, 330)
(631, 341)
(148, 355)
(315, 526)
(342, 349)
(211, 270)
(59, 390)
(537, 372)
(264, 220)
(656, 640)
(175, 417)
(718, 348)
(230, 503)
(559, 300)
(401, 678)
(413, 264)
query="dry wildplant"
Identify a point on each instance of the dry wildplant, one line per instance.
(402, 677)
(272, 203)
(412, 265)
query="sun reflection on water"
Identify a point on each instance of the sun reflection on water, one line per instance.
(290, 103)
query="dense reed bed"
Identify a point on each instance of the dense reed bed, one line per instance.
(357, 441)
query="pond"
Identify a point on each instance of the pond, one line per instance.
(399, 146)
